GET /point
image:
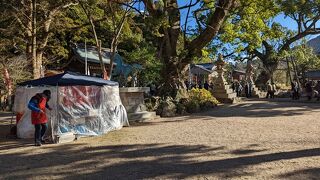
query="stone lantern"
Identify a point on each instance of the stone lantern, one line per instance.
(222, 90)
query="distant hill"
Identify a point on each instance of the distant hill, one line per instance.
(315, 44)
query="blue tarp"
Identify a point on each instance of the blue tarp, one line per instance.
(69, 79)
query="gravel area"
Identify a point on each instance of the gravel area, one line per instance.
(249, 140)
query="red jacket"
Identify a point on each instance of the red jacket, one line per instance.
(39, 117)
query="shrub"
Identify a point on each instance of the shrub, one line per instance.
(202, 96)
(191, 102)
(200, 99)
(192, 107)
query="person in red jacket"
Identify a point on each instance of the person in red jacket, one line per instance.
(38, 105)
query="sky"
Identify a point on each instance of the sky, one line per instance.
(286, 22)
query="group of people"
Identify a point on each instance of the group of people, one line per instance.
(199, 85)
(271, 89)
(248, 89)
(295, 90)
(239, 87)
(311, 90)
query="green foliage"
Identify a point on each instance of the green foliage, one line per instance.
(306, 8)
(305, 59)
(192, 107)
(145, 56)
(250, 24)
(200, 99)
(202, 96)
(206, 56)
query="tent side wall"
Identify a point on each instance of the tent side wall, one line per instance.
(89, 110)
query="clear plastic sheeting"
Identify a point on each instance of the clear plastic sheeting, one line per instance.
(81, 110)
(90, 110)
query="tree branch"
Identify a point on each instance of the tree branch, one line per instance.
(150, 7)
(190, 5)
(130, 6)
(186, 23)
(213, 27)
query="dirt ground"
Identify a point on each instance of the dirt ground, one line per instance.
(249, 140)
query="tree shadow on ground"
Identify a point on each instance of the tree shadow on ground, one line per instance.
(311, 173)
(7, 144)
(251, 108)
(135, 161)
(6, 114)
(257, 109)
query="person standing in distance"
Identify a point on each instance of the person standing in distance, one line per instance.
(38, 105)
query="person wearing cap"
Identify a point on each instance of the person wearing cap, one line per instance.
(38, 105)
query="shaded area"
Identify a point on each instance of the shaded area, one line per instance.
(5, 123)
(252, 108)
(261, 108)
(130, 161)
(7, 144)
(245, 151)
(312, 173)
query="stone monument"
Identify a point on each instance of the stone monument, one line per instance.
(222, 90)
(133, 100)
(255, 92)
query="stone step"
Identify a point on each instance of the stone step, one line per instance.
(142, 116)
(223, 90)
(225, 96)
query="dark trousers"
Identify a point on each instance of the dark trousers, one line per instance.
(295, 95)
(272, 94)
(40, 129)
(269, 93)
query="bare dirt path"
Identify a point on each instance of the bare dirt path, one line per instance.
(250, 140)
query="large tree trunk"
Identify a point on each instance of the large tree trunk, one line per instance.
(39, 68)
(174, 63)
(171, 78)
(271, 67)
(295, 69)
(269, 62)
(28, 34)
(35, 65)
(289, 70)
